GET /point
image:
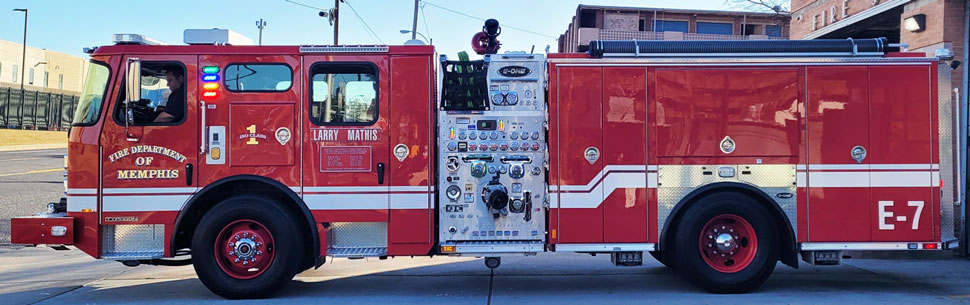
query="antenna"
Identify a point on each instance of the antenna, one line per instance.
(261, 24)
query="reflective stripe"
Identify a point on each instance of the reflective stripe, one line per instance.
(151, 190)
(82, 191)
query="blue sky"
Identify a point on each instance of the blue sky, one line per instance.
(68, 26)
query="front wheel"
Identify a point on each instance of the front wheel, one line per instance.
(246, 247)
(727, 243)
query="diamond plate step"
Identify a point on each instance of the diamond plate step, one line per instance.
(357, 252)
(133, 255)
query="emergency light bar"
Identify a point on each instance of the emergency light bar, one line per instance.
(747, 48)
(215, 37)
(137, 39)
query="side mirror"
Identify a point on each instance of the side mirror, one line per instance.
(133, 80)
(132, 94)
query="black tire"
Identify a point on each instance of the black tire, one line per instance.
(689, 258)
(663, 258)
(288, 252)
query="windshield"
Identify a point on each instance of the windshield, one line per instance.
(92, 96)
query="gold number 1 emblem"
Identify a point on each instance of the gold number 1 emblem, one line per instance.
(252, 133)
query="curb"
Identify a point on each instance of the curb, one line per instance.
(32, 147)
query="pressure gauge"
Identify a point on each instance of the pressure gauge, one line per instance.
(512, 98)
(497, 98)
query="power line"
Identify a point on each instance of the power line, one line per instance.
(364, 23)
(425, 20)
(483, 19)
(304, 5)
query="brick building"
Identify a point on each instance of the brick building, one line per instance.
(926, 25)
(593, 22)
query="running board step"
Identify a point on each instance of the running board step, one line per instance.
(357, 252)
(497, 247)
(132, 255)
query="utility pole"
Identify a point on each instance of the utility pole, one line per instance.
(333, 15)
(414, 25)
(260, 24)
(23, 58)
(336, 21)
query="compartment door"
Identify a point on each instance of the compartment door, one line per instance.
(624, 155)
(903, 177)
(580, 128)
(839, 206)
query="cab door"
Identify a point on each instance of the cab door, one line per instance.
(148, 169)
(346, 127)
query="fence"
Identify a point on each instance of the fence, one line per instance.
(36, 110)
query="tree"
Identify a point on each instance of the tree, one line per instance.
(776, 6)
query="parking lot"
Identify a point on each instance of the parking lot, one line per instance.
(40, 275)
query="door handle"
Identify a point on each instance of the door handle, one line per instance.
(380, 173)
(188, 174)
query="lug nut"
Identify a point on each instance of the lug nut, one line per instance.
(232, 253)
(710, 246)
(731, 230)
(236, 261)
(259, 245)
(259, 252)
(247, 262)
(232, 244)
(245, 234)
(722, 228)
(253, 260)
(237, 237)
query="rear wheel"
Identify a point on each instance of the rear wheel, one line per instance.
(246, 247)
(727, 243)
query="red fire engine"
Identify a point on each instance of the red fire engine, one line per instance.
(718, 158)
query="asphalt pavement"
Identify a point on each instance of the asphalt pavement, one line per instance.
(29, 179)
(41, 275)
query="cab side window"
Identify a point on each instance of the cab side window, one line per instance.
(162, 96)
(343, 94)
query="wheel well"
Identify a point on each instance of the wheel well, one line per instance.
(208, 197)
(788, 253)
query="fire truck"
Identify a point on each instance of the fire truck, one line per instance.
(718, 158)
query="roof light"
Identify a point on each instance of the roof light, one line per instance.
(210, 94)
(210, 86)
(210, 69)
(137, 39)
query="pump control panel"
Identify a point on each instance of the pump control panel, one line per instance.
(493, 162)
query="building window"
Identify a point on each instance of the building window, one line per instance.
(30, 76)
(15, 73)
(46, 81)
(60, 81)
(750, 29)
(669, 26)
(258, 77)
(643, 25)
(715, 28)
(343, 94)
(587, 19)
(773, 30)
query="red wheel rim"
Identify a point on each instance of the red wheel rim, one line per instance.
(244, 249)
(728, 243)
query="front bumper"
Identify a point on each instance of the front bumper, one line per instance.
(48, 228)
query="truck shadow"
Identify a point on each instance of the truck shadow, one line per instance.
(470, 282)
